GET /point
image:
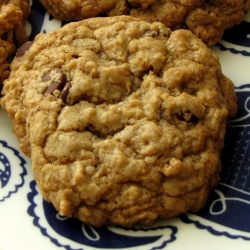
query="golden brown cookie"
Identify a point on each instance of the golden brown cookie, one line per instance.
(13, 14)
(79, 9)
(212, 18)
(206, 19)
(124, 120)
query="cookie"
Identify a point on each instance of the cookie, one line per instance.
(206, 19)
(212, 18)
(124, 119)
(13, 14)
(78, 9)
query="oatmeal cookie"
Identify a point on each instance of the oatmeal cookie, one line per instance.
(124, 119)
(206, 19)
(79, 9)
(13, 14)
(213, 17)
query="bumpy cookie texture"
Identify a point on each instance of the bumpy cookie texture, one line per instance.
(79, 9)
(209, 21)
(206, 19)
(124, 119)
(13, 14)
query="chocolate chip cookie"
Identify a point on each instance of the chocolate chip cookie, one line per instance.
(206, 19)
(124, 119)
(13, 14)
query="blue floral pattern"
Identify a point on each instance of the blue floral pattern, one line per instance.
(12, 170)
(49, 221)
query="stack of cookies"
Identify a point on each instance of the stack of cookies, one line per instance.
(124, 119)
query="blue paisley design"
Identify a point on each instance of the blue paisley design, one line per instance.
(12, 170)
(59, 228)
(5, 170)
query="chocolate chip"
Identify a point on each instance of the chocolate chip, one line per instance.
(152, 33)
(187, 117)
(21, 51)
(194, 119)
(54, 74)
(52, 87)
(65, 91)
(57, 78)
(5, 36)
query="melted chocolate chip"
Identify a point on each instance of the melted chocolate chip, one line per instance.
(65, 91)
(57, 78)
(21, 51)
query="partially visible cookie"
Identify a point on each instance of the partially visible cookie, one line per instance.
(212, 18)
(13, 14)
(79, 9)
(206, 19)
(124, 120)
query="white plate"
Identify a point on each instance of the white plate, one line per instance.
(27, 222)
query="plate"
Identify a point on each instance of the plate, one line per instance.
(28, 222)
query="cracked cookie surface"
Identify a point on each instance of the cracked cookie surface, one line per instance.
(13, 14)
(124, 120)
(207, 19)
